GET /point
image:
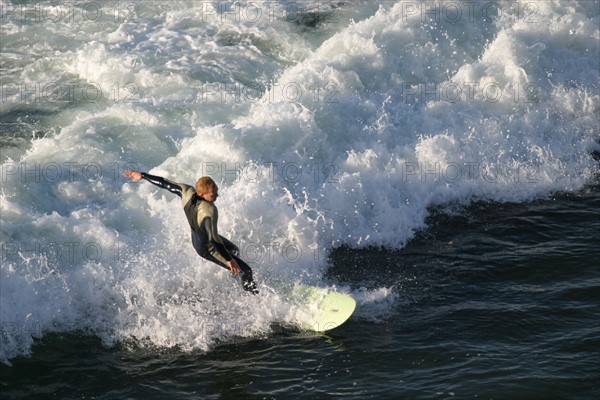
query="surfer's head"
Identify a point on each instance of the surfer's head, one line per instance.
(207, 188)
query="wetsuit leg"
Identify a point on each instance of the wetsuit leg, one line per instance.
(247, 281)
(231, 248)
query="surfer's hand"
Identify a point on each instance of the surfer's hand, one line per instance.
(234, 267)
(134, 175)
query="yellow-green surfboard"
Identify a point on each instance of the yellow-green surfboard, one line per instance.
(327, 308)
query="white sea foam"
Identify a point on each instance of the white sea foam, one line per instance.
(341, 134)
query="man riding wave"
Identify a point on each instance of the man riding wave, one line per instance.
(202, 215)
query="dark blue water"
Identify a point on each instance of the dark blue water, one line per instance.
(441, 156)
(498, 301)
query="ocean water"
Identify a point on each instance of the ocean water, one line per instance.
(437, 160)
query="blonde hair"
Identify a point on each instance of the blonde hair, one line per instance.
(204, 184)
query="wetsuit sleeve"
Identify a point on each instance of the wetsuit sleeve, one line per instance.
(163, 183)
(210, 226)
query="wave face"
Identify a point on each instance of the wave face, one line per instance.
(338, 123)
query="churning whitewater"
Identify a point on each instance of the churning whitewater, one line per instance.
(345, 135)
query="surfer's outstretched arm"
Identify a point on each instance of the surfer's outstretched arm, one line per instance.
(161, 182)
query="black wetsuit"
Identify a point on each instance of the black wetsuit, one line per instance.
(203, 216)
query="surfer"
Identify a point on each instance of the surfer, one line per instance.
(202, 215)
